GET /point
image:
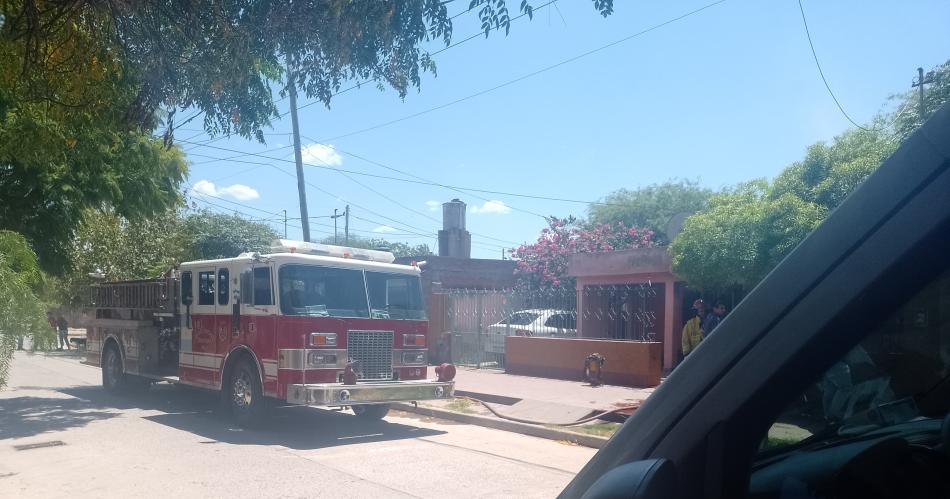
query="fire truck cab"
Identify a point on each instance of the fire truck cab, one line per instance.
(308, 324)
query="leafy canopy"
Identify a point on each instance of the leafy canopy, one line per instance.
(748, 229)
(174, 50)
(399, 249)
(543, 264)
(21, 311)
(652, 206)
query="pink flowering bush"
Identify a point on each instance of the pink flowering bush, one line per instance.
(543, 265)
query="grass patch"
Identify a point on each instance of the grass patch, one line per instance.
(461, 405)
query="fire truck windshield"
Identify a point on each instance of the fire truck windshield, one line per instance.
(322, 291)
(395, 296)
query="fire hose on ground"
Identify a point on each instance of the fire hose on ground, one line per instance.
(573, 423)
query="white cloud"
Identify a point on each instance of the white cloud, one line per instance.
(240, 192)
(321, 154)
(492, 207)
(433, 205)
(384, 229)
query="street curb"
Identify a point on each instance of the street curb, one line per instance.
(505, 425)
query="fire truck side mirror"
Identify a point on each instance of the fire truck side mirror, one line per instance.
(186, 300)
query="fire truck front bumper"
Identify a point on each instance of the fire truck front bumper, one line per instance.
(338, 394)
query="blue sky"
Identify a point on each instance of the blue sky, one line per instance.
(725, 95)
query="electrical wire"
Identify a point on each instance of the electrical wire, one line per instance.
(526, 76)
(411, 181)
(822, 74)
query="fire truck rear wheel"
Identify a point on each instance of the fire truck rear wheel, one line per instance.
(244, 394)
(375, 411)
(114, 378)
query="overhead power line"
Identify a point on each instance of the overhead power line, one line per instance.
(527, 76)
(822, 73)
(414, 181)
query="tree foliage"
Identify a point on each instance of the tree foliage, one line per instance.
(652, 206)
(22, 312)
(173, 50)
(399, 249)
(543, 264)
(210, 235)
(65, 142)
(747, 230)
(122, 249)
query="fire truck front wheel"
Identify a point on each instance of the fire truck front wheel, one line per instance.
(244, 394)
(375, 411)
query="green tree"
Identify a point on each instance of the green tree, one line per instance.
(65, 143)
(747, 230)
(22, 313)
(652, 206)
(399, 249)
(120, 249)
(173, 51)
(208, 235)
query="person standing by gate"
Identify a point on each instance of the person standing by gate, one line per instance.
(693, 331)
(63, 328)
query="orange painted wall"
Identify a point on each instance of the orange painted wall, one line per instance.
(628, 363)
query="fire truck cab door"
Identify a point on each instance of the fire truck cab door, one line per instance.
(258, 320)
(200, 364)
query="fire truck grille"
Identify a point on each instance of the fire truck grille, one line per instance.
(374, 351)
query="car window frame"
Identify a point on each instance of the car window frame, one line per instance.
(874, 243)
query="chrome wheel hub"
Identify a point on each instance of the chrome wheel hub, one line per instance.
(241, 391)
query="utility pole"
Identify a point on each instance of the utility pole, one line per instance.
(301, 185)
(285, 224)
(346, 226)
(334, 217)
(920, 84)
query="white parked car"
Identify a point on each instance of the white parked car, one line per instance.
(531, 322)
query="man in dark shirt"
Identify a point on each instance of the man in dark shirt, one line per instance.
(714, 318)
(63, 328)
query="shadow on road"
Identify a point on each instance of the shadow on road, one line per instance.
(197, 411)
(28, 416)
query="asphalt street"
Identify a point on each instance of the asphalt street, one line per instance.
(61, 435)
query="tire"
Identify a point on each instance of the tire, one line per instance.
(114, 379)
(244, 395)
(371, 412)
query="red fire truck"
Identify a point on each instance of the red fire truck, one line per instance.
(308, 324)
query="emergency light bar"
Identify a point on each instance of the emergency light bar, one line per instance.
(305, 248)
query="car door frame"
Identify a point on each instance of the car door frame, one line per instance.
(882, 244)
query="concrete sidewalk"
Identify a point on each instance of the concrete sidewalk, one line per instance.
(547, 401)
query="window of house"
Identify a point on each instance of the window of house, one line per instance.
(206, 288)
(223, 286)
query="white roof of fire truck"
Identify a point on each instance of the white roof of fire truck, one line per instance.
(301, 252)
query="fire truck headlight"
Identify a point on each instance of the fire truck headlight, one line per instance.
(321, 359)
(413, 358)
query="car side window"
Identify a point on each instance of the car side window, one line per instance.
(223, 286)
(186, 288)
(562, 321)
(263, 289)
(206, 288)
(885, 380)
